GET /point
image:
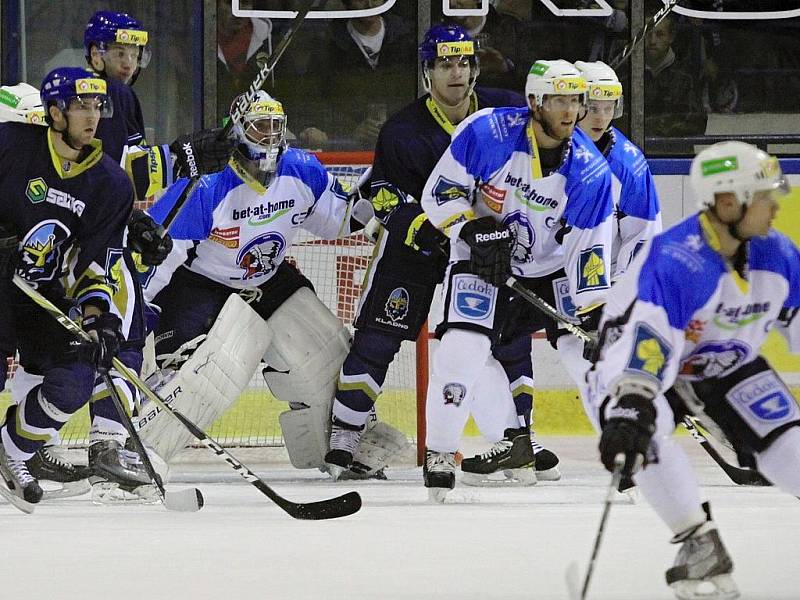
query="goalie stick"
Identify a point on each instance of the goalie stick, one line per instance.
(332, 508)
(261, 78)
(738, 475)
(636, 39)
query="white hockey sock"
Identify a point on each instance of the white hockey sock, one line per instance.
(457, 363)
(493, 406)
(779, 462)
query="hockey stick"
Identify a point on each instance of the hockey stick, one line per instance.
(189, 500)
(636, 39)
(339, 506)
(576, 592)
(261, 78)
(738, 475)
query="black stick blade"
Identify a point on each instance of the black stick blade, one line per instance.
(333, 508)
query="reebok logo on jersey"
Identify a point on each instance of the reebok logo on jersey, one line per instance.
(493, 236)
(190, 160)
(38, 191)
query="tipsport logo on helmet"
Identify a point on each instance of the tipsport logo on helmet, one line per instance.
(611, 91)
(90, 86)
(272, 107)
(569, 85)
(131, 36)
(463, 48)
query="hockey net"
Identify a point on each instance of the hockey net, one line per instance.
(336, 268)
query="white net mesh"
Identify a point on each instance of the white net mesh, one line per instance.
(336, 268)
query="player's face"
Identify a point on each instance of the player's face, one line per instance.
(598, 118)
(121, 61)
(560, 114)
(450, 79)
(265, 132)
(762, 211)
(84, 115)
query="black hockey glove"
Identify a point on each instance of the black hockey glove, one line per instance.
(106, 331)
(590, 323)
(629, 427)
(490, 249)
(201, 152)
(148, 238)
(9, 252)
(423, 236)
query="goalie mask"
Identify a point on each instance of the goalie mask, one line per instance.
(260, 134)
(21, 103)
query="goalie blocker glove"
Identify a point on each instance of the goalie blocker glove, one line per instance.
(628, 429)
(200, 153)
(490, 249)
(106, 330)
(148, 238)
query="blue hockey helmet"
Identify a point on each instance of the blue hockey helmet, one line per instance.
(447, 41)
(61, 85)
(107, 27)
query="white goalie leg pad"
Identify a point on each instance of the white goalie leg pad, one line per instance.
(210, 381)
(309, 345)
(378, 446)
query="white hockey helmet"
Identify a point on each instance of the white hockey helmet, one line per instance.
(260, 133)
(603, 83)
(554, 77)
(21, 103)
(735, 167)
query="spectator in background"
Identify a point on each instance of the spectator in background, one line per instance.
(371, 73)
(670, 98)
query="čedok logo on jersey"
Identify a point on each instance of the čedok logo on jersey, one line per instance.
(263, 213)
(38, 191)
(396, 307)
(41, 250)
(714, 359)
(258, 256)
(445, 191)
(528, 196)
(474, 297)
(765, 396)
(592, 270)
(523, 236)
(650, 353)
(736, 317)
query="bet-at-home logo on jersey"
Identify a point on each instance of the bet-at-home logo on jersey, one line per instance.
(38, 191)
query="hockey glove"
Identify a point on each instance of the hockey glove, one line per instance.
(490, 249)
(423, 236)
(148, 238)
(200, 153)
(9, 252)
(106, 331)
(629, 427)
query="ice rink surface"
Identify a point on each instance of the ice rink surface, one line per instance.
(503, 544)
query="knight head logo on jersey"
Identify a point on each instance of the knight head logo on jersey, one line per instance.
(714, 359)
(523, 236)
(41, 251)
(592, 270)
(397, 305)
(445, 191)
(650, 354)
(259, 256)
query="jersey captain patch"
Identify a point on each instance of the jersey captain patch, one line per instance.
(592, 270)
(650, 354)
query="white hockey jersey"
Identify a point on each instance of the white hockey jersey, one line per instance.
(681, 311)
(636, 207)
(492, 168)
(237, 233)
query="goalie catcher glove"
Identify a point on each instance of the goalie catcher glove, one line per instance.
(490, 249)
(200, 153)
(148, 238)
(9, 252)
(629, 426)
(106, 331)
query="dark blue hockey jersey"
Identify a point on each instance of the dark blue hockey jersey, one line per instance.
(56, 211)
(126, 126)
(412, 141)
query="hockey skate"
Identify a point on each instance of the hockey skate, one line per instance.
(702, 568)
(19, 487)
(439, 474)
(343, 444)
(512, 458)
(546, 466)
(46, 465)
(118, 476)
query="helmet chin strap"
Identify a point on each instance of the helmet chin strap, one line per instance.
(733, 226)
(68, 139)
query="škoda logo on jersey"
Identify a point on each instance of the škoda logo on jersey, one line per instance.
(493, 197)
